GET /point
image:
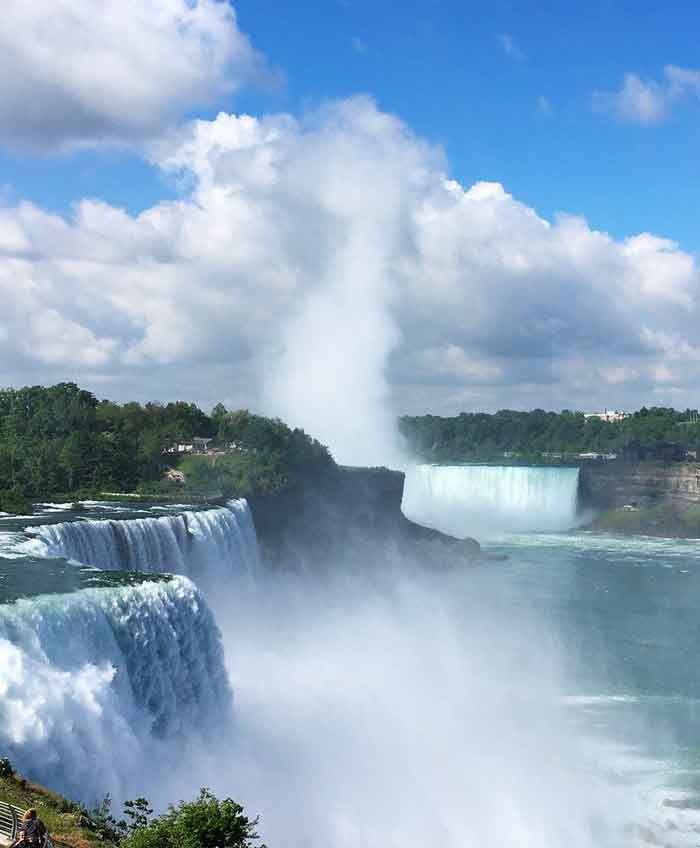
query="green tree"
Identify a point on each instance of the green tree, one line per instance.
(206, 822)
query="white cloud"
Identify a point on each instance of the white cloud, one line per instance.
(544, 106)
(325, 269)
(77, 74)
(650, 101)
(509, 46)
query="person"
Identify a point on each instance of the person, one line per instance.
(32, 831)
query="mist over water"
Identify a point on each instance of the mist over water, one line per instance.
(410, 710)
(396, 703)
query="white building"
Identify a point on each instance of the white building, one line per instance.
(607, 415)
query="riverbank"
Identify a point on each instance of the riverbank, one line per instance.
(647, 498)
(68, 823)
(662, 520)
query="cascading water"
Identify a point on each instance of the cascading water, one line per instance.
(199, 544)
(394, 703)
(465, 500)
(95, 683)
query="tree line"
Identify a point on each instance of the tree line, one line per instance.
(62, 440)
(648, 434)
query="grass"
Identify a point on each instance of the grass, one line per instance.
(67, 822)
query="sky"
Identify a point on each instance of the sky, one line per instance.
(335, 209)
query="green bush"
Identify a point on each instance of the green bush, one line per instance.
(14, 501)
(206, 822)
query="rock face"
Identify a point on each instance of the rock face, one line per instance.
(613, 485)
(346, 518)
(651, 498)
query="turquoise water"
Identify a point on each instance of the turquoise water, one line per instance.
(625, 612)
(607, 626)
(24, 575)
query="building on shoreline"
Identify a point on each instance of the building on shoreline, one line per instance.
(607, 415)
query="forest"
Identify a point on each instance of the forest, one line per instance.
(655, 433)
(61, 441)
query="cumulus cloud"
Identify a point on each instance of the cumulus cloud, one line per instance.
(649, 101)
(76, 74)
(328, 271)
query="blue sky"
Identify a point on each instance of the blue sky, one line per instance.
(339, 211)
(444, 68)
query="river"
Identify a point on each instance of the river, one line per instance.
(548, 699)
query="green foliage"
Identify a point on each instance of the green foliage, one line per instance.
(103, 824)
(654, 433)
(67, 822)
(6, 769)
(206, 822)
(137, 814)
(14, 501)
(264, 456)
(61, 440)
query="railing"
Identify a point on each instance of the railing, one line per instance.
(10, 817)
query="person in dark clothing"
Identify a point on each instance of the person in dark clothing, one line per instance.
(32, 831)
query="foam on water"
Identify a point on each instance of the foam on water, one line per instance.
(393, 705)
(96, 684)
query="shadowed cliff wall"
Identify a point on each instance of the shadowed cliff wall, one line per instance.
(612, 485)
(342, 519)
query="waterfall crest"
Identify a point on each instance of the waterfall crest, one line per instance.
(465, 500)
(192, 543)
(97, 682)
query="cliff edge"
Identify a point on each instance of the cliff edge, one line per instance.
(346, 516)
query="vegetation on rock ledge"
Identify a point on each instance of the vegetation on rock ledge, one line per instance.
(206, 822)
(62, 441)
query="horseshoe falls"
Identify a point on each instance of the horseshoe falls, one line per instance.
(488, 500)
(100, 684)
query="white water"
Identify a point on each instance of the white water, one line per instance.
(485, 500)
(210, 545)
(412, 710)
(389, 707)
(103, 690)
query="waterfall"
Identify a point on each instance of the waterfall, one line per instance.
(479, 500)
(199, 544)
(100, 685)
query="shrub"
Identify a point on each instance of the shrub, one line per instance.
(206, 822)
